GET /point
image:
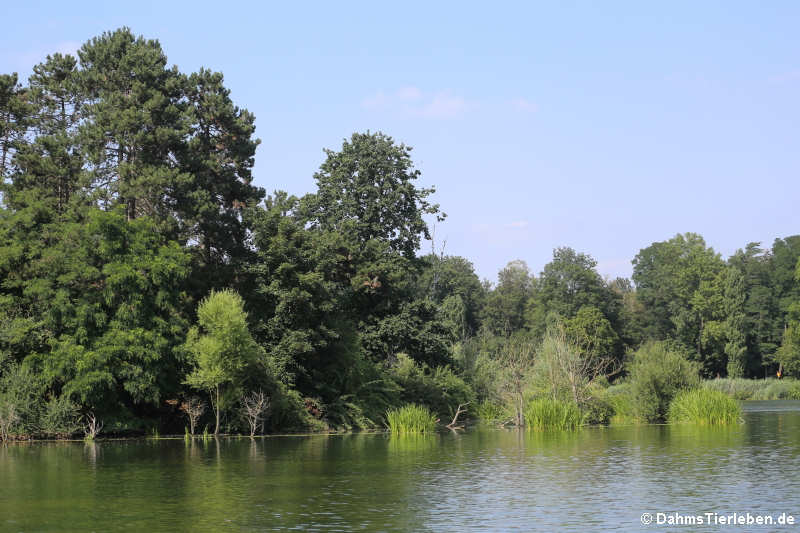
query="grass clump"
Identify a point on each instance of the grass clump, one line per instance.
(704, 407)
(546, 414)
(411, 418)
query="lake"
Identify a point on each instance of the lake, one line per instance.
(481, 479)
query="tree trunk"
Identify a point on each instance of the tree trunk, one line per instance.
(216, 412)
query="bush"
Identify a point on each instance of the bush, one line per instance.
(490, 412)
(546, 414)
(21, 402)
(411, 418)
(656, 375)
(704, 407)
(60, 418)
(439, 388)
(620, 399)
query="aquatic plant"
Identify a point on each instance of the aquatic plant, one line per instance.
(548, 414)
(756, 389)
(704, 407)
(411, 418)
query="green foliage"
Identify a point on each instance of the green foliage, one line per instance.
(127, 197)
(220, 347)
(547, 414)
(451, 282)
(756, 389)
(657, 374)
(596, 408)
(491, 412)
(621, 400)
(411, 418)
(439, 389)
(60, 417)
(568, 284)
(670, 277)
(704, 407)
(504, 312)
(737, 388)
(367, 188)
(21, 400)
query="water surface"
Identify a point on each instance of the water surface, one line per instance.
(594, 479)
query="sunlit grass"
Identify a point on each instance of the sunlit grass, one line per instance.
(411, 419)
(704, 407)
(546, 414)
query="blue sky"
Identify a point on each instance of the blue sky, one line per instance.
(604, 126)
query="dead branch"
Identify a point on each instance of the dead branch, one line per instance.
(254, 405)
(93, 426)
(194, 408)
(459, 411)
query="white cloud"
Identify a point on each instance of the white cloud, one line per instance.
(518, 224)
(408, 94)
(523, 104)
(444, 105)
(412, 101)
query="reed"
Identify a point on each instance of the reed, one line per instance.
(411, 418)
(704, 407)
(756, 389)
(546, 414)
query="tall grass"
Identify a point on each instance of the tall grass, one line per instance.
(411, 419)
(704, 407)
(756, 389)
(546, 414)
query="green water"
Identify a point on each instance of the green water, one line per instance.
(595, 479)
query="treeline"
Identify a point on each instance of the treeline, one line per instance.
(143, 274)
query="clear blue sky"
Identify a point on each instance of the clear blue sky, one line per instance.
(603, 126)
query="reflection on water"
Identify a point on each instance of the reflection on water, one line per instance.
(594, 479)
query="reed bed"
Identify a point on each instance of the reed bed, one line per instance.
(546, 414)
(411, 418)
(704, 407)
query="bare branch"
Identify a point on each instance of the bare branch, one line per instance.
(459, 411)
(194, 408)
(254, 406)
(93, 426)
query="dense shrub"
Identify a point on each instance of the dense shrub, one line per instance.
(60, 418)
(656, 375)
(620, 399)
(440, 388)
(704, 407)
(21, 401)
(493, 412)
